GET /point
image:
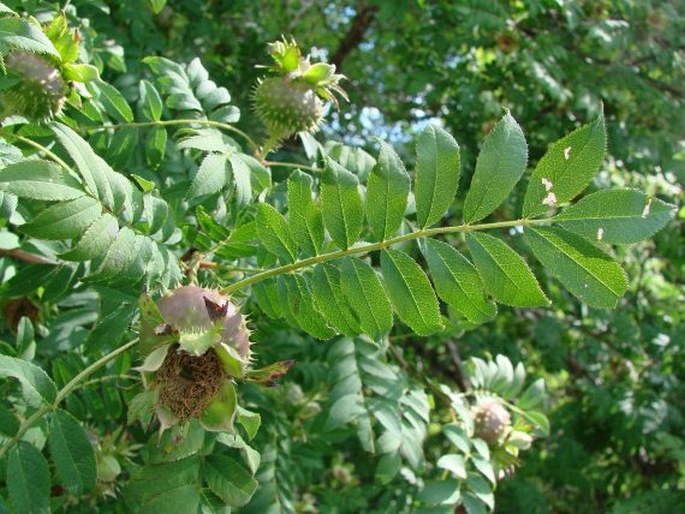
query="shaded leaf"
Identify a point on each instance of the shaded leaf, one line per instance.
(504, 273)
(437, 174)
(386, 194)
(341, 204)
(304, 216)
(586, 271)
(28, 479)
(410, 292)
(150, 101)
(37, 386)
(95, 240)
(501, 162)
(229, 480)
(367, 297)
(72, 453)
(457, 282)
(299, 307)
(331, 300)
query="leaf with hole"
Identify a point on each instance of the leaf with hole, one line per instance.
(566, 169)
(618, 216)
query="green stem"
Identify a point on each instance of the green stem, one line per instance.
(63, 393)
(207, 123)
(361, 249)
(49, 153)
(292, 165)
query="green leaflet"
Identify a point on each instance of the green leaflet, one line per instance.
(266, 295)
(28, 479)
(150, 101)
(155, 146)
(164, 487)
(304, 216)
(229, 480)
(504, 273)
(341, 204)
(410, 292)
(299, 307)
(619, 216)
(210, 177)
(241, 179)
(66, 220)
(457, 282)
(347, 397)
(113, 101)
(566, 169)
(386, 194)
(585, 270)
(331, 300)
(72, 453)
(437, 174)
(90, 166)
(274, 233)
(207, 140)
(37, 386)
(122, 147)
(366, 296)
(95, 240)
(156, 212)
(23, 35)
(39, 180)
(125, 259)
(501, 162)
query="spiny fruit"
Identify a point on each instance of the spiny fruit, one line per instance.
(198, 342)
(35, 89)
(290, 100)
(491, 421)
(287, 106)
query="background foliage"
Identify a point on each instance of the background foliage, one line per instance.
(614, 378)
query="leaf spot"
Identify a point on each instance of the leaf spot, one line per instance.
(600, 234)
(547, 183)
(567, 153)
(647, 208)
(550, 199)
